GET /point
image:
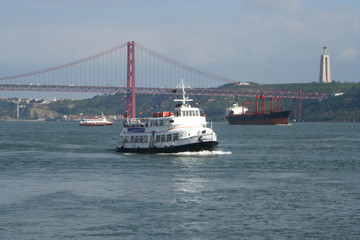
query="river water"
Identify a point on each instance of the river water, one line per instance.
(62, 181)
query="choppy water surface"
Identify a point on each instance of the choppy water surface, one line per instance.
(62, 181)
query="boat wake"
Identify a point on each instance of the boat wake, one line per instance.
(199, 154)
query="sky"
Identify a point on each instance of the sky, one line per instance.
(263, 41)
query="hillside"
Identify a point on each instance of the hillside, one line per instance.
(345, 108)
(342, 108)
(333, 87)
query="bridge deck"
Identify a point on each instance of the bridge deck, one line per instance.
(141, 90)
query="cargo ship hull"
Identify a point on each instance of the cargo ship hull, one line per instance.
(271, 118)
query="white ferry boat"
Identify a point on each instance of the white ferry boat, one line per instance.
(102, 121)
(182, 130)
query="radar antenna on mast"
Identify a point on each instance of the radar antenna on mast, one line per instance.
(182, 86)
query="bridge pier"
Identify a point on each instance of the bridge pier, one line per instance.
(131, 99)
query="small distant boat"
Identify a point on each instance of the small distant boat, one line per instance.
(101, 121)
(242, 115)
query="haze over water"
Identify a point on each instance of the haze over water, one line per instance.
(62, 181)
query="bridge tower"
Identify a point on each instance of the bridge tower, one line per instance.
(131, 99)
(325, 76)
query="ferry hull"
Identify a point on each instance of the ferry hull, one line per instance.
(273, 118)
(193, 147)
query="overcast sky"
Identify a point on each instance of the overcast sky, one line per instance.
(264, 41)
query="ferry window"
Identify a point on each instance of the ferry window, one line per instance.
(132, 139)
(141, 139)
(168, 137)
(126, 139)
(136, 139)
(161, 122)
(145, 138)
(157, 138)
(176, 137)
(163, 138)
(166, 122)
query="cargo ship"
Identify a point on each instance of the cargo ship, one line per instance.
(242, 115)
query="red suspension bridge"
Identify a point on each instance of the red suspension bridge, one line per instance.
(114, 71)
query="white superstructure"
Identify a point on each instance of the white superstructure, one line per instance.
(102, 121)
(184, 129)
(235, 109)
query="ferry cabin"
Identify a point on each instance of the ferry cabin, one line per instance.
(184, 126)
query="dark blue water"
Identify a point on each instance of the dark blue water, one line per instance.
(62, 181)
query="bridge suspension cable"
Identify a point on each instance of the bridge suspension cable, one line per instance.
(64, 65)
(108, 68)
(107, 72)
(182, 66)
